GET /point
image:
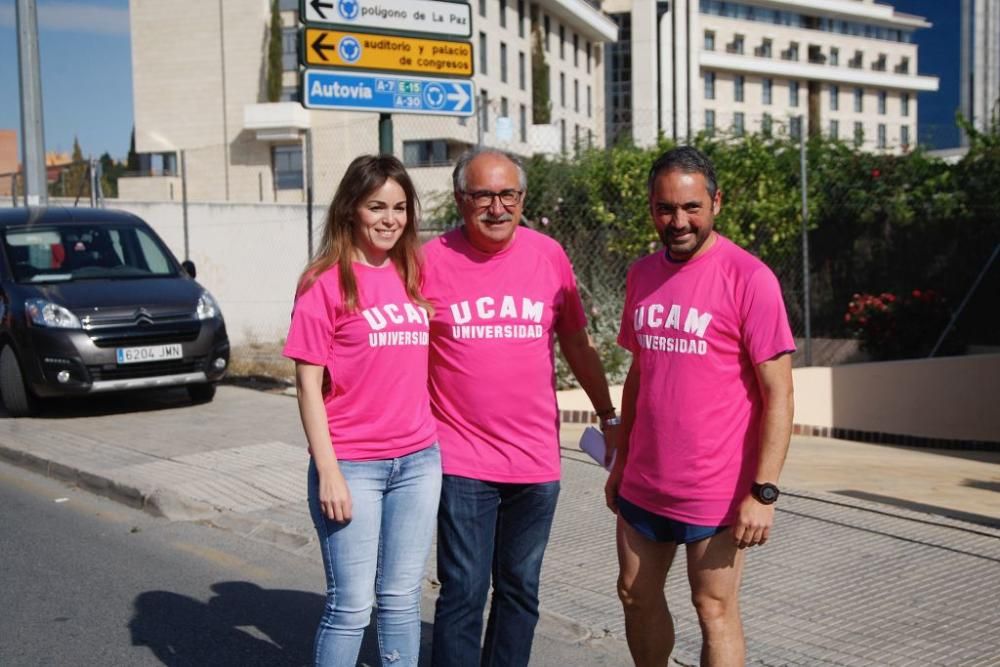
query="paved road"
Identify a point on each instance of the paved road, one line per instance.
(846, 581)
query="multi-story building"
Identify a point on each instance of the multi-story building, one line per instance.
(980, 88)
(199, 80)
(845, 68)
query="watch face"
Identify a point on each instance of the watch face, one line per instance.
(768, 493)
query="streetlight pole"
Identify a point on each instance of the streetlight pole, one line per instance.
(29, 82)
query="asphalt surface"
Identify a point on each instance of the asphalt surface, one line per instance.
(845, 580)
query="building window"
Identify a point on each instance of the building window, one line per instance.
(834, 98)
(834, 129)
(709, 40)
(764, 50)
(588, 57)
(767, 90)
(859, 100)
(576, 95)
(735, 46)
(576, 50)
(710, 121)
(795, 127)
(484, 110)
(739, 84)
(503, 13)
(589, 107)
(859, 133)
(562, 42)
(504, 107)
(834, 56)
(739, 123)
(482, 8)
(765, 124)
(562, 90)
(287, 161)
(290, 93)
(792, 52)
(881, 135)
(709, 85)
(576, 137)
(793, 93)
(816, 56)
(288, 5)
(503, 62)
(882, 97)
(904, 136)
(289, 49)
(522, 72)
(425, 153)
(524, 123)
(520, 18)
(548, 29)
(562, 135)
(904, 103)
(482, 53)
(904, 66)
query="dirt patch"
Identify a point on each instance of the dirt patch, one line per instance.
(260, 366)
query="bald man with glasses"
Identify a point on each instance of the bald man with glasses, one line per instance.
(502, 295)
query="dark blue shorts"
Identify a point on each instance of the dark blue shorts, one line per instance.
(662, 529)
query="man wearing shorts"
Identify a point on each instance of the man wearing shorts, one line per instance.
(707, 415)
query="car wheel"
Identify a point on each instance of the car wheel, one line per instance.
(16, 397)
(201, 393)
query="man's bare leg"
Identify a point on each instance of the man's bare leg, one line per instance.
(715, 567)
(642, 567)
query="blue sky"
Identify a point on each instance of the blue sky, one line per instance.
(86, 74)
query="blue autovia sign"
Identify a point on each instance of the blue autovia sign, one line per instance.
(349, 91)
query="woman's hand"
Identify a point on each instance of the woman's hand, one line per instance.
(334, 495)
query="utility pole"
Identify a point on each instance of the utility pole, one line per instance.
(806, 300)
(30, 87)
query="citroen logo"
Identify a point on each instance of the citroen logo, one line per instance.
(142, 316)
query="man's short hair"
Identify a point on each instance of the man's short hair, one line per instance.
(458, 179)
(687, 160)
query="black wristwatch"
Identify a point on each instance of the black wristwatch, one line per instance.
(765, 493)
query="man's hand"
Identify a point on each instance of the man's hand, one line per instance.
(612, 438)
(753, 523)
(611, 486)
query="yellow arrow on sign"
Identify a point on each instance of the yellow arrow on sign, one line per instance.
(333, 48)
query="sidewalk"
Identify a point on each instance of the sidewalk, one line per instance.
(845, 581)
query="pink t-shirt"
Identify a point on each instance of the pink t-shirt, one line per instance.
(492, 373)
(697, 329)
(375, 359)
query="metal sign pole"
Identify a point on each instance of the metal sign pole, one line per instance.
(385, 134)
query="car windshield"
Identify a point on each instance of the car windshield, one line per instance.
(78, 251)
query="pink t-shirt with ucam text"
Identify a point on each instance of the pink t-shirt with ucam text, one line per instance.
(492, 373)
(375, 358)
(697, 330)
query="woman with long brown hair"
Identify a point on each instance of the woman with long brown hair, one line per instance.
(359, 337)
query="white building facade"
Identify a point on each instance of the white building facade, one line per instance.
(199, 81)
(980, 87)
(842, 68)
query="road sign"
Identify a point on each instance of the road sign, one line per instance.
(333, 48)
(386, 93)
(412, 16)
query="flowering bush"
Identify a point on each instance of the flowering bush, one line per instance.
(891, 327)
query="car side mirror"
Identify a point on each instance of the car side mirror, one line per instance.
(188, 267)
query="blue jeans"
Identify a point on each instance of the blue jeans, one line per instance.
(380, 553)
(489, 529)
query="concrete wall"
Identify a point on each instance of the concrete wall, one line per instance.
(952, 398)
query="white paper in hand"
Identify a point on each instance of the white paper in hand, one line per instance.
(592, 442)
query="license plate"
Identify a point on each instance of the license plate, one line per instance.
(138, 355)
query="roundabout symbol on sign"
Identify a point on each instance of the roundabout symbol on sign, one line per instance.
(434, 96)
(348, 9)
(350, 49)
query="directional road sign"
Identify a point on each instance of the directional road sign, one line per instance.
(349, 91)
(333, 48)
(433, 17)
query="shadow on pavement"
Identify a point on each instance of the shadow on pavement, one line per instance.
(981, 519)
(242, 624)
(102, 405)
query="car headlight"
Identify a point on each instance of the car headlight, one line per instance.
(207, 308)
(47, 314)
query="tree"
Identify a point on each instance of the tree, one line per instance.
(76, 177)
(132, 160)
(541, 104)
(274, 68)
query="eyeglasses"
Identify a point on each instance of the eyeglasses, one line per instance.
(484, 198)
